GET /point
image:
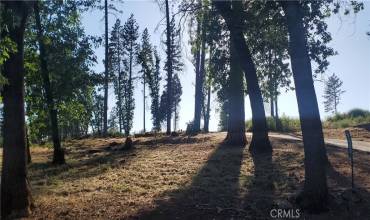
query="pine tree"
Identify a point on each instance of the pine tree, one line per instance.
(333, 91)
(176, 98)
(115, 65)
(97, 113)
(154, 84)
(145, 59)
(130, 35)
(106, 73)
(174, 65)
(169, 65)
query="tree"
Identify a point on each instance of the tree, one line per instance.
(154, 84)
(177, 92)
(97, 113)
(106, 73)
(269, 45)
(176, 97)
(15, 191)
(315, 193)
(233, 19)
(145, 59)
(169, 67)
(333, 91)
(130, 36)
(200, 46)
(69, 58)
(58, 156)
(219, 64)
(115, 61)
(173, 65)
(207, 106)
(236, 120)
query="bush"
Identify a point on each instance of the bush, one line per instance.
(354, 113)
(352, 118)
(285, 124)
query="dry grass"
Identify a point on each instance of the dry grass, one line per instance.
(184, 178)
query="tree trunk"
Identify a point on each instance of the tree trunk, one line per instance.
(208, 110)
(277, 120)
(169, 70)
(236, 122)
(260, 142)
(174, 119)
(272, 110)
(129, 93)
(106, 75)
(29, 158)
(315, 193)
(15, 191)
(119, 109)
(58, 156)
(144, 101)
(199, 75)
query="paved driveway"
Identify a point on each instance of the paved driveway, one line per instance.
(358, 145)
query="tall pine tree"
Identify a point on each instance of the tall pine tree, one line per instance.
(145, 59)
(115, 65)
(333, 91)
(130, 35)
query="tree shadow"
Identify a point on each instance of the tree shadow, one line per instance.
(181, 139)
(211, 194)
(80, 164)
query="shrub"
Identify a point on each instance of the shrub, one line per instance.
(358, 113)
(353, 117)
(285, 124)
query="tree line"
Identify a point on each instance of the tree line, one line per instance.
(238, 47)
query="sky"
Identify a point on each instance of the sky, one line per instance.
(351, 65)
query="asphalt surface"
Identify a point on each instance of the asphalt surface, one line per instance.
(358, 145)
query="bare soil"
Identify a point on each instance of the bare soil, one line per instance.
(187, 177)
(357, 133)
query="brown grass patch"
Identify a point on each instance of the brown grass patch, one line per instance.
(185, 178)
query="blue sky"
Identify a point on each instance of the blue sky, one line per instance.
(352, 64)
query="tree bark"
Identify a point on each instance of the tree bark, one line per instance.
(198, 87)
(144, 100)
(208, 110)
(260, 142)
(315, 193)
(58, 155)
(15, 192)
(169, 70)
(119, 84)
(199, 96)
(236, 122)
(106, 75)
(29, 158)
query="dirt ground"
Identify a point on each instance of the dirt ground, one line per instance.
(187, 178)
(357, 133)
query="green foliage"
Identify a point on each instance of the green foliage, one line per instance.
(97, 111)
(7, 47)
(288, 124)
(130, 35)
(353, 117)
(333, 91)
(177, 63)
(154, 85)
(116, 67)
(70, 57)
(176, 98)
